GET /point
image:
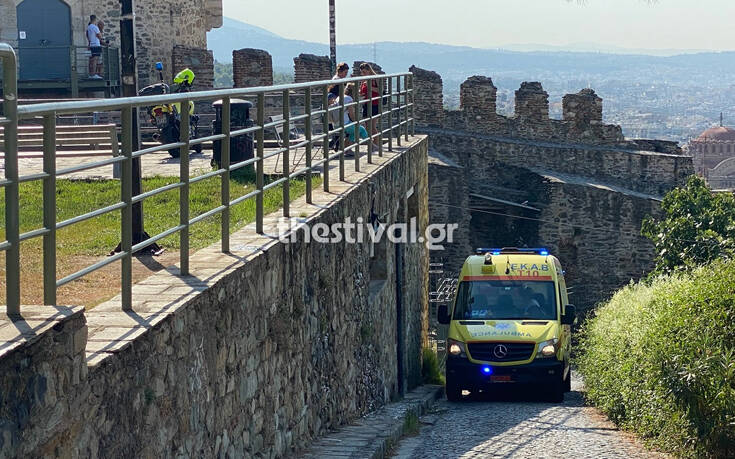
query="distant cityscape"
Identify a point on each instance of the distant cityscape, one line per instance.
(665, 97)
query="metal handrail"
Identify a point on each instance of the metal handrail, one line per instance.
(393, 122)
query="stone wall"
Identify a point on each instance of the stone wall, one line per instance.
(160, 26)
(251, 68)
(308, 67)
(428, 97)
(356, 68)
(574, 185)
(201, 61)
(296, 340)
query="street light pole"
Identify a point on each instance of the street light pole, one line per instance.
(129, 74)
(332, 37)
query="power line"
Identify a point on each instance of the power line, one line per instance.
(520, 217)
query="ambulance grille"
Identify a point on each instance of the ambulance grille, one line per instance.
(490, 352)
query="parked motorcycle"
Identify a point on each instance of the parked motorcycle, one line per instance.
(166, 117)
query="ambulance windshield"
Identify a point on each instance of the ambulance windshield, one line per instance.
(505, 300)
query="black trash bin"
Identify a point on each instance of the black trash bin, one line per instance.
(241, 147)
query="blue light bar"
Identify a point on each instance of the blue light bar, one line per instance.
(509, 250)
(487, 370)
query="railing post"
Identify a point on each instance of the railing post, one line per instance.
(287, 151)
(381, 90)
(49, 209)
(325, 145)
(307, 128)
(259, 166)
(12, 223)
(73, 76)
(369, 124)
(342, 132)
(390, 113)
(184, 190)
(398, 91)
(405, 101)
(413, 107)
(356, 127)
(126, 193)
(225, 177)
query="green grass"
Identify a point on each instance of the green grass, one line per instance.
(161, 212)
(659, 360)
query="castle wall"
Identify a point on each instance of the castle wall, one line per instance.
(574, 185)
(308, 67)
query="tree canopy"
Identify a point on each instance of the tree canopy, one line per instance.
(697, 227)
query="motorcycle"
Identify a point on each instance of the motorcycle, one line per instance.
(166, 117)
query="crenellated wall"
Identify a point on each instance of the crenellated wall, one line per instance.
(575, 185)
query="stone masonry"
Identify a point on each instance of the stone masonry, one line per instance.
(428, 97)
(308, 67)
(251, 68)
(201, 61)
(254, 354)
(576, 185)
(160, 27)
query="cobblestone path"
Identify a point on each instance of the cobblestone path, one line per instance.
(511, 425)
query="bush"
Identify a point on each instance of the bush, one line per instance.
(430, 368)
(698, 227)
(659, 359)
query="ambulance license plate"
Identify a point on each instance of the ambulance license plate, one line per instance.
(501, 378)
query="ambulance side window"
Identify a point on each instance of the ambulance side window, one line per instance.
(563, 291)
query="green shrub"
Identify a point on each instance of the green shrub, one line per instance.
(659, 359)
(430, 369)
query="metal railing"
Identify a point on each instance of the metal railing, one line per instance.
(394, 121)
(73, 73)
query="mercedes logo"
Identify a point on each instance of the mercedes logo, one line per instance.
(500, 351)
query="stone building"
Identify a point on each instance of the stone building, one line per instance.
(161, 26)
(714, 156)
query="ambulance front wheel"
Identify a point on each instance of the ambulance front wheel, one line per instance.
(453, 390)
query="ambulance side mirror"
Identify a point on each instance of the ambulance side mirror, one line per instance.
(442, 314)
(570, 315)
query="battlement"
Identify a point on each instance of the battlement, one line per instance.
(582, 120)
(252, 67)
(308, 67)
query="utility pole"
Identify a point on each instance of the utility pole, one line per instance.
(332, 37)
(129, 73)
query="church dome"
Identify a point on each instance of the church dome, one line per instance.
(718, 134)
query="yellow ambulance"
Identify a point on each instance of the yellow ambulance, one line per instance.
(510, 324)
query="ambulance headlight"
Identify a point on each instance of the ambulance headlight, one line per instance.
(548, 348)
(456, 348)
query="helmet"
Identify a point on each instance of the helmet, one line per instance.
(185, 75)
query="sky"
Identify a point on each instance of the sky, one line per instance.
(634, 24)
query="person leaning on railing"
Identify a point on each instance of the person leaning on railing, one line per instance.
(349, 117)
(100, 60)
(367, 70)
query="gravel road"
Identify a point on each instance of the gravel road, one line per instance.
(514, 425)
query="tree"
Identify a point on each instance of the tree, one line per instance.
(698, 226)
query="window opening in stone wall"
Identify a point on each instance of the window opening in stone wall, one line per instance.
(378, 261)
